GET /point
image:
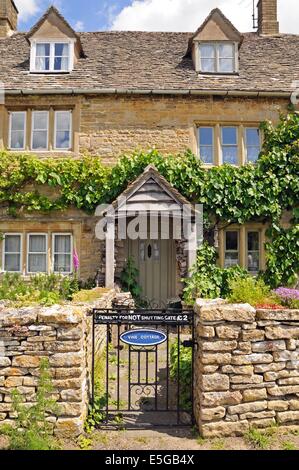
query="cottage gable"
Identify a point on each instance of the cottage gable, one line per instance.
(214, 46)
(55, 46)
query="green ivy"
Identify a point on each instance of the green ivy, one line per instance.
(229, 194)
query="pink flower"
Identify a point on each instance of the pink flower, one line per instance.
(76, 260)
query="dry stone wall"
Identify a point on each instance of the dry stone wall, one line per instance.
(62, 334)
(247, 368)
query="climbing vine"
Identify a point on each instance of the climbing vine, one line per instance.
(229, 194)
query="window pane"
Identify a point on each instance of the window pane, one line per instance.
(229, 135)
(226, 51)
(61, 63)
(40, 120)
(43, 50)
(42, 63)
(208, 65)
(12, 263)
(253, 137)
(40, 140)
(17, 121)
(37, 243)
(230, 155)
(226, 65)
(253, 154)
(253, 262)
(61, 50)
(207, 51)
(17, 132)
(37, 263)
(62, 244)
(62, 263)
(232, 241)
(206, 154)
(17, 140)
(231, 259)
(253, 241)
(12, 244)
(62, 140)
(63, 121)
(206, 135)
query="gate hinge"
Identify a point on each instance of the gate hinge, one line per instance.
(188, 344)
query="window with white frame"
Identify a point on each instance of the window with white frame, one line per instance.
(17, 130)
(62, 253)
(51, 56)
(232, 251)
(229, 145)
(253, 251)
(37, 253)
(63, 130)
(206, 145)
(40, 130)
(252, 144)
(12, 252)
(217, 57)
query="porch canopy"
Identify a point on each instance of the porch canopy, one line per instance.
(149, 195)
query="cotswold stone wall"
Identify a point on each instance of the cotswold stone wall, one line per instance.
(62, 334)
(247, 368)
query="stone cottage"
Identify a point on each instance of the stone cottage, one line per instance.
(109, 93)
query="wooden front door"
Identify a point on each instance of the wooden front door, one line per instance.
(156, 262)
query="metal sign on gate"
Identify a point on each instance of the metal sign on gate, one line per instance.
(148, 368)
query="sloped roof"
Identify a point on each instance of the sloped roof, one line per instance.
(154, 61)
(57, 13)
(144, 194)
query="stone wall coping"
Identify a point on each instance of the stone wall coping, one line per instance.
(67, 313)
(220, 310)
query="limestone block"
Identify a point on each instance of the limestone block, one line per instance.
(26, 361)
(253, 335)
(281, 391)
(282, 332)
(246, 379)
(278, 405)
(262, 423)
(212, 414)
(266, 346)
(282, 356)
(4, 362)
(72, 333)
(289, 381)
(252, 359)
(68, 373)
(214, 382)
(248, 407)
(69, 427)
(287, 416)
(228, 332)
(239, 370)
(61, 315)
(260, 415)
(66, 359)
(255, 394)
(278, 315)
(220, 398)
(294, 405)
(13, 381)
(218, 345)
(216, 358)
(71, 395)
(224, 429)
(226, 312)
(69, 409)
(205, 331)
(261, 368)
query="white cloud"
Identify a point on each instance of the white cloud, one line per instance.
(27, 8)
(187, 15)
(79, 26)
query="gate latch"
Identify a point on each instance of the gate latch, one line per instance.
(188, 344)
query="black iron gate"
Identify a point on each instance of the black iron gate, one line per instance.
(142, 368)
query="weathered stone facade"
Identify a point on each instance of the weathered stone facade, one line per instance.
(62, 334)
(247, 368)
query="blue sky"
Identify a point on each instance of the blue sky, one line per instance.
(152, 15)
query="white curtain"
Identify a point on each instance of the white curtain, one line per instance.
(12, 247)
(37, 257)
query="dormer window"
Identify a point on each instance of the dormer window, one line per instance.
(217, 57)
(52, 57)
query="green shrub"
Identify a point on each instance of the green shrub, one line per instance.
(208, 280)
(89, 295)
(129, 279)
(250, 290)
(40, 289)
(32, 431)
(182, 367)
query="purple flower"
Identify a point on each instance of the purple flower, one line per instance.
(76, 260)
(287, 294)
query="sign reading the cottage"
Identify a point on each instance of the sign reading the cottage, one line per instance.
(143, 337)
